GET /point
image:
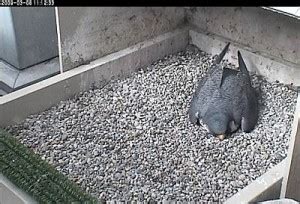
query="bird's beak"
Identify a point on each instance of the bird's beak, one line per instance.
(221, 137)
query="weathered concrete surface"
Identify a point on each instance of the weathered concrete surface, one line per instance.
(11, 194)
(263, 30)
(37, 73)
(8, 74)
(88, 33)
(266, 187)
(272, 68)
(38, 97)
(15, 79)
(291, 178)
(2, 92)
(28, 36)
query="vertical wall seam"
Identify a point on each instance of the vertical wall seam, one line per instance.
(58, 40)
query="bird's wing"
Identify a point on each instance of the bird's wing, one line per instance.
(250, 110)
(199, 100)
(232, 91)
(205, 89)
(209, 90)
(193, 111)
(242, 66)
(222, 54)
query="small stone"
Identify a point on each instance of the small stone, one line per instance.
(95, 153)
(242, 177)
(64, 137)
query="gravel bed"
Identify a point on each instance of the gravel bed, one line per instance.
(132, 139)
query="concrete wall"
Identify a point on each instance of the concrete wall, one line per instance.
(264, 65)
(89, 33)
(263, 30)
(291, 177)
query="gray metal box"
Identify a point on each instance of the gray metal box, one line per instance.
(27, 36)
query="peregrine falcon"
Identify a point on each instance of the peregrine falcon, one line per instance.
(225, 99)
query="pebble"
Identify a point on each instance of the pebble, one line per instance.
(132, 140)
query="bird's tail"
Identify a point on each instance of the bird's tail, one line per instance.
(222, 54)
(242, 65)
